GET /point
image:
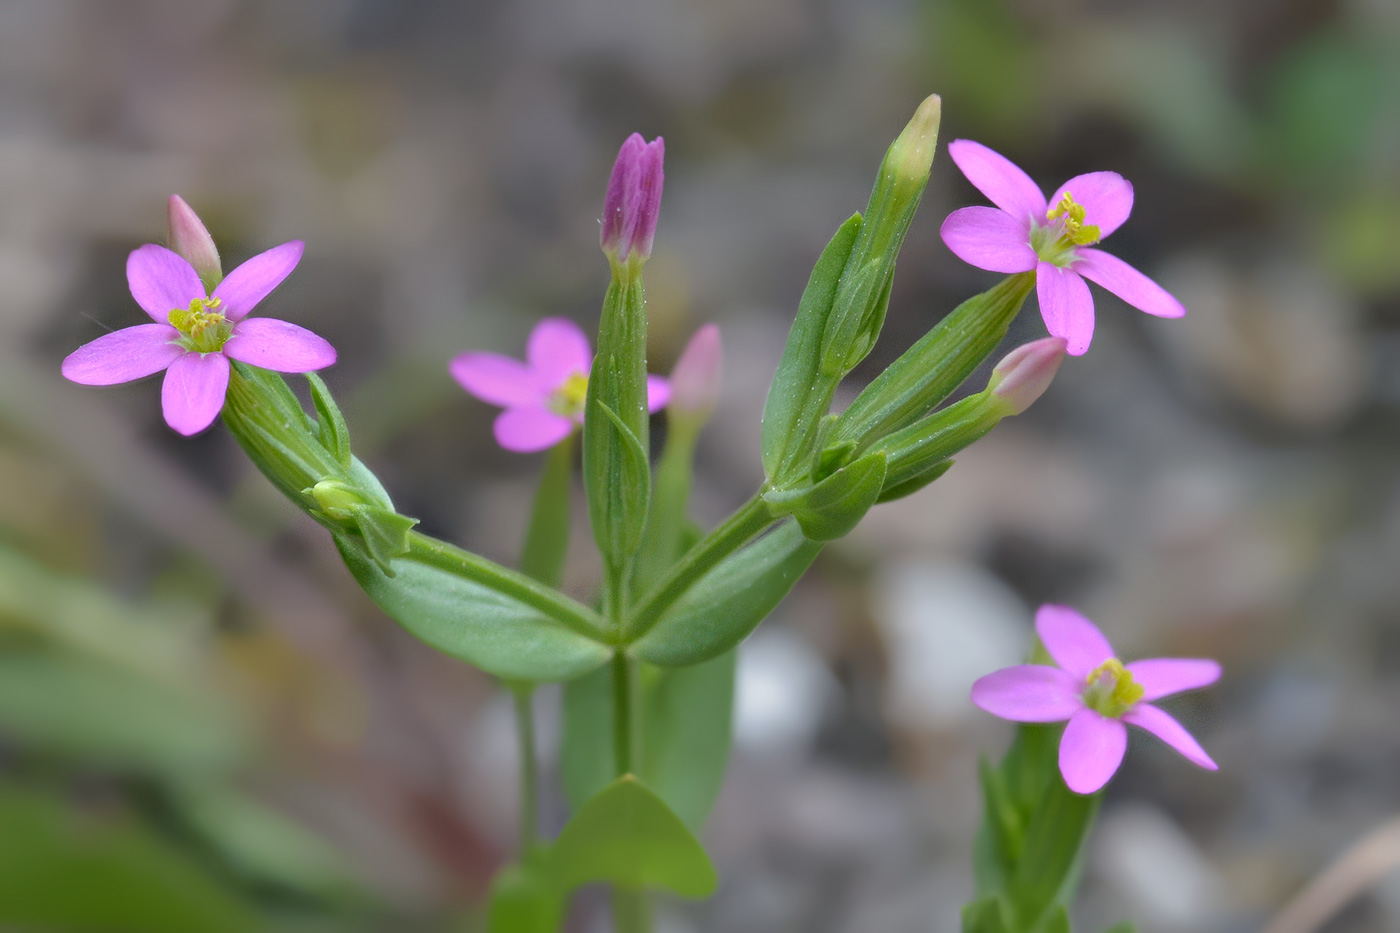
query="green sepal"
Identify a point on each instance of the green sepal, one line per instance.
(626, 835)
(334, 435)
(930, 370)
(858, 312)
(467, 619)
(833, 507)
(687, 715)
(384, 533)
(526, 898)
(728, 602)
(912, 485)
(616, 469)
(925, 444)
(799, 396)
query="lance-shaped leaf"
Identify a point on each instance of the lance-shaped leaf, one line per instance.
(912, 485)
(831, 508)
(483, 625)
(726, 604)
(799, 395)
(334, 435)
(626, 835)
(526, 898)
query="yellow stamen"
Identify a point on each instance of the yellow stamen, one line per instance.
(204, 329)
(1111, 690)
(1076, 230)
(568, 399)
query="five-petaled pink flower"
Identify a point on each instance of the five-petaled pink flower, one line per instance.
(195, 334)
(1097, 693)
(1024, 232)
(543, 396)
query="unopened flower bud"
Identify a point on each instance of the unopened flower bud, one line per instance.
(1025, 373)
(633, 201)
(189, 238)
(695, 379)
(911, 155)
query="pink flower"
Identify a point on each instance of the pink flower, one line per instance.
(543, 397)
(195, 334)
(1097, 693)
(1024, 232)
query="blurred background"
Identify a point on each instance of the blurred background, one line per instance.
(205, 726)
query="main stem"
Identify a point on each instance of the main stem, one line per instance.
(529, 775)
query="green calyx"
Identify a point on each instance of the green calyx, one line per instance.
(202, 329)
(1111, 689)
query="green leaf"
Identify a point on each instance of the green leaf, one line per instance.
(331, 429)
(912, 451)
(988, 915)
(799, 396)
(687, 724)
(525, 899)
(687, 715)
(62, 869)
(831, 508)
(467, 619)
(626, 835)
(912, 485)
(727, 603)
(1057, 921)
(618, 504)
(106, 716)
(385, 535)
(930, 370)
(1048, 870)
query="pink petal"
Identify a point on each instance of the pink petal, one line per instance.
(1000, 179)
(1029, 693)
(1161, 677)
(1127, 283)
(193, 392)
(1107, 198)
(497, 379)
(161, 281)
(1066, 306)
(1146, 716)
(989, 239)
(1073, 641)
(526, 430)
(250, 283)
(1091, 750)
(557, 349)
(279, 346)
(123, 355)
(658, 392)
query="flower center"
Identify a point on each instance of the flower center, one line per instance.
(202, 329)
(1065, 229)
(1111, 690)
(568, 399)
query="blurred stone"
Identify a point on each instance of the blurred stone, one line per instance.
(945, 623)
(1155, 869)
(782, 690)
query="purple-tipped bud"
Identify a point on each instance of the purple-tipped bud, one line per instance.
(191, 240)
(633, 201)
(1025, 373)
(695, 380)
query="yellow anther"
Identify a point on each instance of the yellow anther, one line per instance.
(1111, 690)
(204, 329)
(1076, 230)
(568, 399)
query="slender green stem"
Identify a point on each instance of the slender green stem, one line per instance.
(529, 775)
(550, 602)
(733, 533)
(626, 715)
(631, 911)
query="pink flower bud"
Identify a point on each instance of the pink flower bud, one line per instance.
(189, 238)
(633, 201)
(695, 380)
(1025, 373)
